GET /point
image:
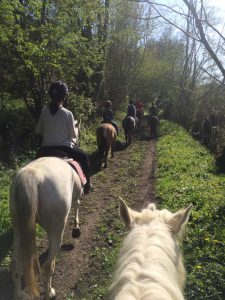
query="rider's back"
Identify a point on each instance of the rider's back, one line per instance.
(57, 129)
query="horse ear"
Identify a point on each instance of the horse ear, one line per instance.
(77, 124)
(128, 215)
(179, 218)
(124, 213)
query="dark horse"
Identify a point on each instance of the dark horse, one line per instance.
(106, 135)
(153, 122)
(129, 126)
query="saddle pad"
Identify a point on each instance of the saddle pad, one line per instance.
(75, 165)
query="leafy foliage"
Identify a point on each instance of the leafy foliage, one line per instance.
(46, 40)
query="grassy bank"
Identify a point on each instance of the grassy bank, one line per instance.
(186, 174)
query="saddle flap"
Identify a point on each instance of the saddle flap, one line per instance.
(76, 166)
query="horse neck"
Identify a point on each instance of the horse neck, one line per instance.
(150, 254)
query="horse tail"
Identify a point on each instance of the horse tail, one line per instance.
(130, 125)
(101, 139)
(24, 200)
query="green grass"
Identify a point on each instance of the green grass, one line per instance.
(186, 174)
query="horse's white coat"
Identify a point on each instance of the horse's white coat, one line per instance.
(43, 191)
(150, 265)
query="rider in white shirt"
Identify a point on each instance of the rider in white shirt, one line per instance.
(56, 127)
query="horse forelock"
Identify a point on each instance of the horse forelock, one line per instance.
(149, 262)
(151, 213)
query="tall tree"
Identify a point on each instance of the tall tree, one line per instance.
(124, 40)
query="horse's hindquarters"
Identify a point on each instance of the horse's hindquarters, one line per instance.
(128, 124)
(42, 191)
(106, 135)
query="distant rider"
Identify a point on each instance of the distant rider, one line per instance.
(139, 105)
(108, 116)
(139, 108)
(131, 110)
(153, 110)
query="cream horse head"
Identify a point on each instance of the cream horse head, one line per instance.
(150, 265)
(43, 191)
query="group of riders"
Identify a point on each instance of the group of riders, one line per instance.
(134, 110)
(56, 127)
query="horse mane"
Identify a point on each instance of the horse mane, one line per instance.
(150, 265)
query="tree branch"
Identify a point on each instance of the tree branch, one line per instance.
(203, 38)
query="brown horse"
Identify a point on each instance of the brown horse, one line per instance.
(153, 123)
(129, 126)
(106, 135)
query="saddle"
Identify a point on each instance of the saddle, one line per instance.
(76, 166)
(61, 154)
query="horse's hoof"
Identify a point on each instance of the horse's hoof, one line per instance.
(51, 294)
(76, 233)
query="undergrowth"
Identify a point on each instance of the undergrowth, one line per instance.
(186, 174)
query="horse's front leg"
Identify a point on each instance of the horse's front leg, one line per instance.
(76, 228)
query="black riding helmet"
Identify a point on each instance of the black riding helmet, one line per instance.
(58, 90)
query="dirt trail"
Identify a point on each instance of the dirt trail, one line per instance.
(70, 263)
(75, 254)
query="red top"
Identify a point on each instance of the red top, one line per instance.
(139, 105)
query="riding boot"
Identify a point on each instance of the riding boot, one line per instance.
(88, 187)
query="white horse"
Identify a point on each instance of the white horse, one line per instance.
(150, 265)
(42, 192)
